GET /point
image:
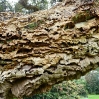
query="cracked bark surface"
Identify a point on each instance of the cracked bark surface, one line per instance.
(48, 47)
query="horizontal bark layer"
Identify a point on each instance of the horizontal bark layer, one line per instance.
(48, 47)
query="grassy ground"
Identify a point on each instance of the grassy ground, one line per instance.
(93, 96)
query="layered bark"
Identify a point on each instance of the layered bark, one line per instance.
(48, 47)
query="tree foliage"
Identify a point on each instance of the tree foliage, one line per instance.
(27, 6)
(66, 90)
(33, 5)
(5, 6)
(92, 82)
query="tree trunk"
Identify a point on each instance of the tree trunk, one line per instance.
(48, 47)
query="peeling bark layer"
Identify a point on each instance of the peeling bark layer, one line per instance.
(48, 47)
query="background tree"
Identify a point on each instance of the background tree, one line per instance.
(34, 5)
(54, 1)
(5, 6)
(18, 7)
(92, 82)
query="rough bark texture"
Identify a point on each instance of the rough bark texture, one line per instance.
(48, 47)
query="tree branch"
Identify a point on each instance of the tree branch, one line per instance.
(48, 47)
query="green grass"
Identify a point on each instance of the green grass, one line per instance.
(93, 96)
